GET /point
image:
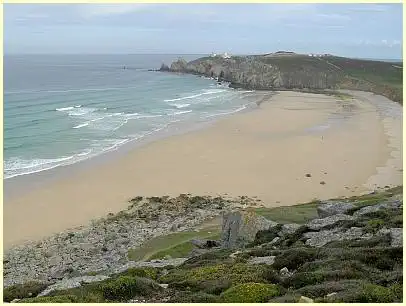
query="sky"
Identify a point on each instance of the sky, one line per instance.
(353, 30)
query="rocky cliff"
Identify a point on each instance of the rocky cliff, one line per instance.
(297, 71)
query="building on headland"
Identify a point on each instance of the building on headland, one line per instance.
(224, 55)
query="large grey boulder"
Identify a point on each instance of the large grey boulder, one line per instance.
(158, 263)
(319, 239)
(317, 224)
(330, 208)
(396, 235)
(390, 204)
(240, 227)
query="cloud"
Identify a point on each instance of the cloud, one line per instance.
(334, 17)
(89, 10)
(369, 8)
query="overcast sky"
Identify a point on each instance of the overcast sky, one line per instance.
(355, 30)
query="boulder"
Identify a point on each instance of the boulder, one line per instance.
(391, 204)
(288, 229)
(267, 260)
(318, 239)
(304, 299)
(240, 227)
(396, 235)
(317, 224)
(330, 208)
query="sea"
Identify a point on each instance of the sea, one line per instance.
(63, 109)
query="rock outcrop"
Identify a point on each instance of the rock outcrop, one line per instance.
(240, 227)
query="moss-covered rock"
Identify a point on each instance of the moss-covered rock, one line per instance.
(250, 293)
(20, 291)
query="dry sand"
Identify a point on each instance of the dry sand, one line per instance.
(266, 153)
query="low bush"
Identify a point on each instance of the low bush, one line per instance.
(294, 258)
(126, 287)
(20, 291)
(250, 293)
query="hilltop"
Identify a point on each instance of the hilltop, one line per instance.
(291, 71)
(341, 250)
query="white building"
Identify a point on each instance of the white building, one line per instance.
(226, 55)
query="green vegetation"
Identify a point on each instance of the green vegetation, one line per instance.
(249, 293)
(175, 245)
(124, 288)
(300, 214)
(23, 291)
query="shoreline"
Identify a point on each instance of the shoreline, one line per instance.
(76, 199)
(32, 181)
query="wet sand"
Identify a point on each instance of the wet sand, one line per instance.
(347, 146)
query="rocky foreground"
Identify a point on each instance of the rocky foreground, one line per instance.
(291, 71)
(352, 252)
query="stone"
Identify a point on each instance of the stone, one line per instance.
(288, 229)
(304, 299)
(233, 255)
(72, 283)
(390, 204)
(319, 239)
(285, 272)
(165, 286)
(267, 260)
(317, 224)
(396, 235)
(240, 227)
(330, 208)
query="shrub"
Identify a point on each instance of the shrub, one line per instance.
(126, 287)
(148, 272)
(371, 293)
(249, 293)
(20, 291)
(195, 297)
(374, 225)
(51, 299)
(294, 258)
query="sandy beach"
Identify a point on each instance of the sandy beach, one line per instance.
(347, 146)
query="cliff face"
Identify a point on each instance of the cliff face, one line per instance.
(295, 71)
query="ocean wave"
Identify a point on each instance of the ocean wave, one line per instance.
(227, 113)
(17, 166)
(180, 113)
(81, 125)
(64, 108)
(178, 105)
(206, 92)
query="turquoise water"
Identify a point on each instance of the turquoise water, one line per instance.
(62, 109)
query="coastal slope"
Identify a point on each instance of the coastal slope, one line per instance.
(287, 71)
